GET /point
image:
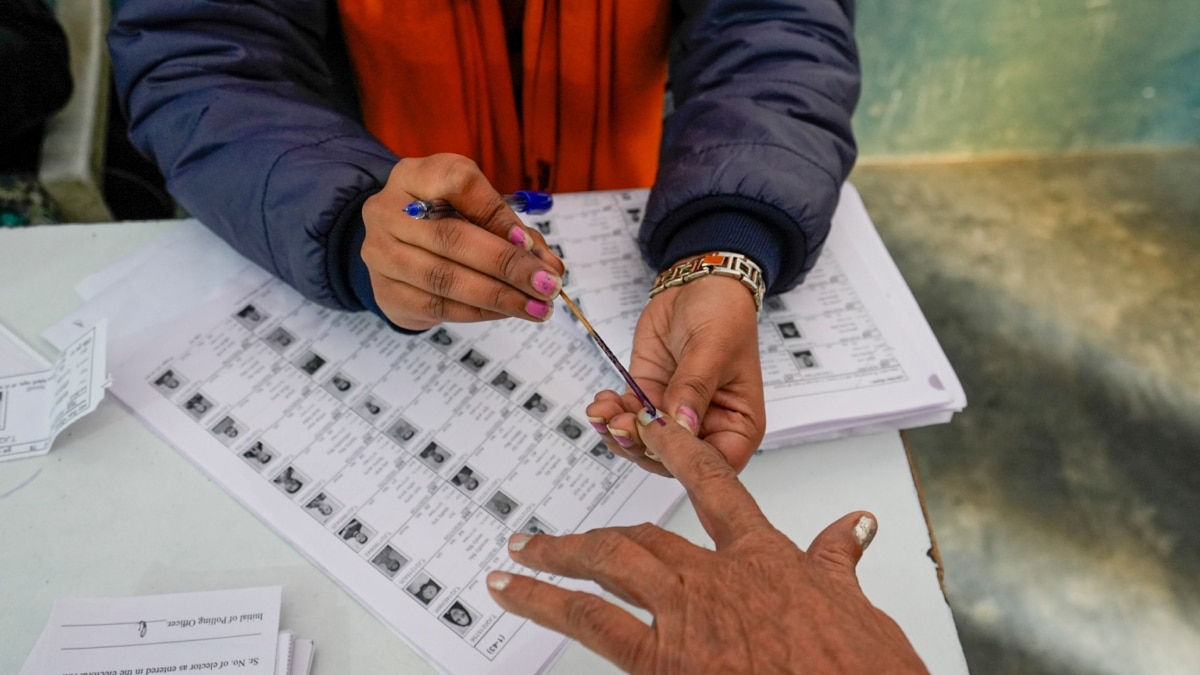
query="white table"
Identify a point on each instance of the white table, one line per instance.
(113, 510)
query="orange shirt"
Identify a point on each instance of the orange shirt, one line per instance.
(433, 76)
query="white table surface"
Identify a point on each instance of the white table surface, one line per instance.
(113, 510)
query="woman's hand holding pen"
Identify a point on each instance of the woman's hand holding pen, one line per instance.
(424, 272)
(756, 604)
(695, 353)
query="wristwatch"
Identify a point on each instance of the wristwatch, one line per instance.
(723, 263)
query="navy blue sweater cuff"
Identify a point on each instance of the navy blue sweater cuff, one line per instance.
(726, 230)
(349, 276)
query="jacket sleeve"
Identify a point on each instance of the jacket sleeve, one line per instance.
(755, 153)
(237, 104)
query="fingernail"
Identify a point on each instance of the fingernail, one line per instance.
(539, 309)
(652, 457)
(688, 419)
(498, 581)
(598, 424)
(622, 438)
(517, 541)
(645, 418)
(545, 283)
(864, 531)
(518, 236)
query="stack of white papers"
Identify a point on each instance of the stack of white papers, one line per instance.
(233, 631)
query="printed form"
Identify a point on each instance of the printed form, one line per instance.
(398, 464)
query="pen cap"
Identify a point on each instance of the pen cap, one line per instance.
(536, 203)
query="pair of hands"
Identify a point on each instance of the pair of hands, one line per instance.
(756, 604)
(695, 350)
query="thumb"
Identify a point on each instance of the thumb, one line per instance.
(840, 546)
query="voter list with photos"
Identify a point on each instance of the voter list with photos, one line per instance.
(400, 464)
(840, 349)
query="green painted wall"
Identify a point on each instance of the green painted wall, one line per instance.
(1003, 76)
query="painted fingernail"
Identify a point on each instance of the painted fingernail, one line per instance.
(622, 438)
(517, 541)
(688, 419)
(864, 531)
(545, 283)
(539, 309)
(645, 418)
(518, 236)
(498, 581)
(598, 424)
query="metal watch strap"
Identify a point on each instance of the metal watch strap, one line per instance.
(722, 263)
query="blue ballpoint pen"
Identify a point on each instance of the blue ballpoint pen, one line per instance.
(522, 201)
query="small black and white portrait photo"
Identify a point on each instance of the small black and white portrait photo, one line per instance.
(501, 505)
(788, 330)
(356, 534)
(505, 383)
(258, 455)
(467, 480)
(197, 406)
(535, 526)
(434, 456)
(570, 428)
(459, 617)
(443, 339)
(169, 382)
(250, 316)
(804, 359)
(424, 588)
(389, 561)
(370, 409)
(227, 430)
(340, 385)
(537, 405)
(543, 226)
(322, 507)
(290, 480)
(403, 432)
(602, 454)
(280, 339)
(310, 362)
(474, 360)
(774, 303)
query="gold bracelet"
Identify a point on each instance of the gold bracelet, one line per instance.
(723, 263)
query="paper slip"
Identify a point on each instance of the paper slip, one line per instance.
(36, 405)
(233, 631)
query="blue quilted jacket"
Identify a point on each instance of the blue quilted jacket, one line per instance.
(248, 109)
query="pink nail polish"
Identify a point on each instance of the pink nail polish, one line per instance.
(538, 309)
(601, 429)
(545, 283)
(621, 437)
(688, 417)
(517, 236)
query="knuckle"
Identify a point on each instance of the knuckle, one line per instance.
(697, 384)
(585, 612)
(602, 546)
(447, 236)
(439, 279)
(508, 260)
(435, 308)
(458, 172)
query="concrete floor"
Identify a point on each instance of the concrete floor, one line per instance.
(1066, 499)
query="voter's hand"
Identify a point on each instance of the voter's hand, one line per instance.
(486, 266)
(695, 354)
(756, 604)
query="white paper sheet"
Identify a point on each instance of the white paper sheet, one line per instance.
(234, 631)
(35, 406)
